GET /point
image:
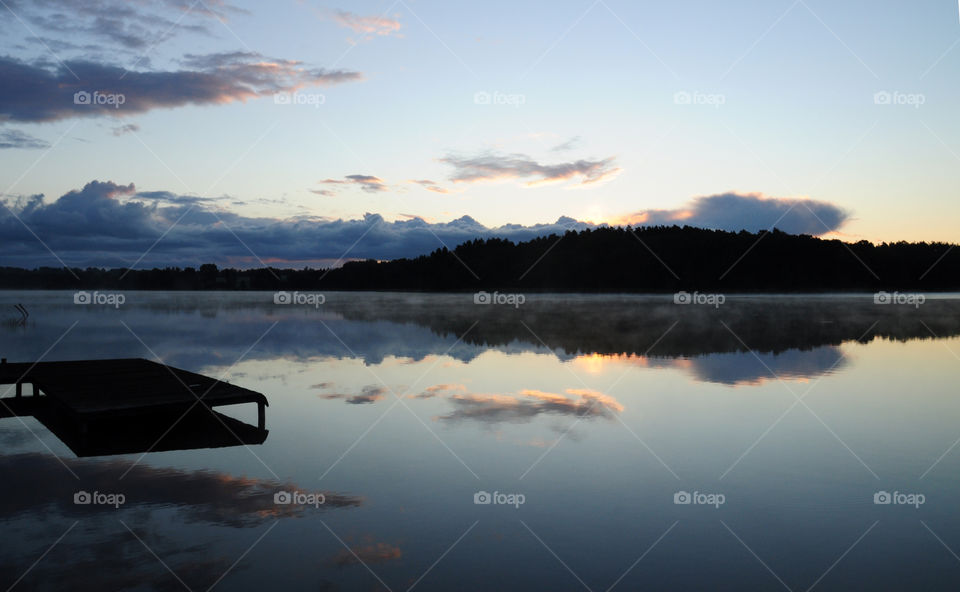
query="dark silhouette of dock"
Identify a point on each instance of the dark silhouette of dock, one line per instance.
(101, 407)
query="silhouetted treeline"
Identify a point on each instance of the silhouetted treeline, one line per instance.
(649, 259)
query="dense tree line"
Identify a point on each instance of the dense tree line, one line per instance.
(649, 259)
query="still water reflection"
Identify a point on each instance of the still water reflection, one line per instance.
(589, 417)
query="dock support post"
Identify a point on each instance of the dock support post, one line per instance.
(19, 389)
(261, 415)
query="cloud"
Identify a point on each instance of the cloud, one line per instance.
(584, 403)
(197, 496)
(568, 145)
(124, 25)
(367, 183)
(369, 26)
(113, 225)
(108, 224)
(34, 93)
(429, 185)
(127, 128)
(369, 394)
(438, 390)
(498, 167)
(18, 139)
(752, 212)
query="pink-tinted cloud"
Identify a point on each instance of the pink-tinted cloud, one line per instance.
(368, 26)
(430, 185)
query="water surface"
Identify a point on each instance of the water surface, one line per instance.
(598, 413)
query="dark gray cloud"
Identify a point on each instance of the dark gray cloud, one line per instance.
(17, 139)
(109, 224)
(113, 225)
(497, 167)
(37, 93)
(735, 212)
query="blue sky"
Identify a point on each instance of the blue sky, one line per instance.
(510, 113)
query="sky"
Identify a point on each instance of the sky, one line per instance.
(185, 131)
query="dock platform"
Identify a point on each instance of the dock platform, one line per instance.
(129, 405)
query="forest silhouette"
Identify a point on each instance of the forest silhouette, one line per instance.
(659, 259)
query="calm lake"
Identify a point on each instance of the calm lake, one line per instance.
(561, 443)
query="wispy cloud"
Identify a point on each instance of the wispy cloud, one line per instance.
(498, 167)
(368, 183)
(430, 185)
(121, 24)
(125, 129)
(367, 26)
(439, 390)
(369, 394)
(12, 138)
(568, 145)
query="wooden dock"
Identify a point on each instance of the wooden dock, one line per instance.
(129, 405)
